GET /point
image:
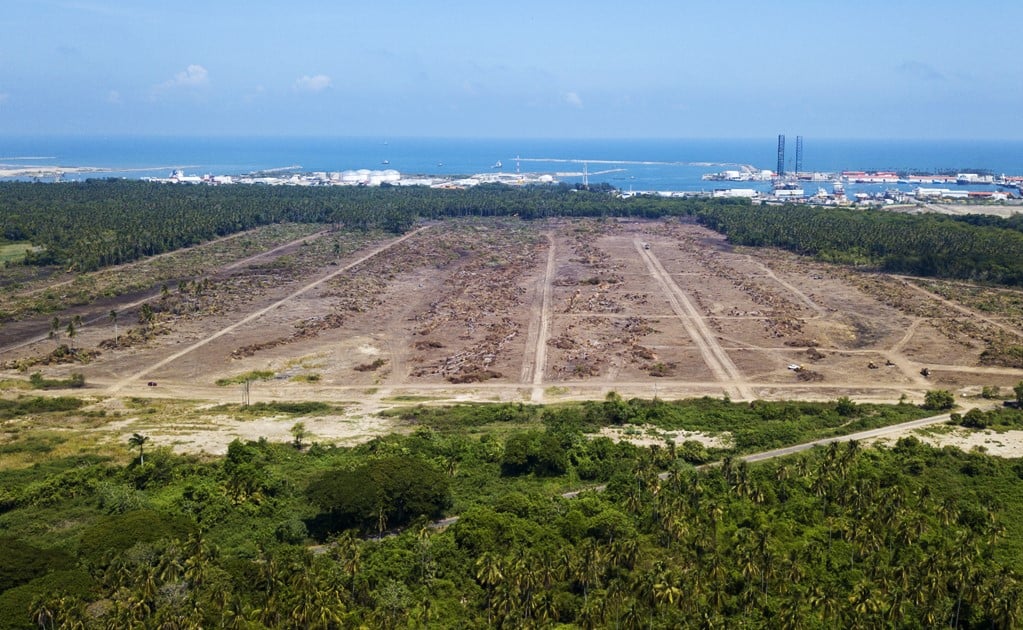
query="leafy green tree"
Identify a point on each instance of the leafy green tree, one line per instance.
(845, 406)
(939, 400)
(541, 453)
(298, 431)
(383, 492)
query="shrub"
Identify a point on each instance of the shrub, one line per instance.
(534, 452)
(845, 407)
(77, 380)
(939, 400)
(22, 562)
(118, 532)
(27, 405)
(381, 493)
(291, 532)
(16, 603)
(974, 419)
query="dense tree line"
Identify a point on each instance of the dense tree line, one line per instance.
(271, 536)
(97, 223)
(925, 245)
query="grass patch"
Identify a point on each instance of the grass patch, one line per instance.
(287, 408)
(14, 383)
(410, 398)
(254, 375)
(37, 381)
(306, 378)
(33, 443)
(24, 406)
(15, 252)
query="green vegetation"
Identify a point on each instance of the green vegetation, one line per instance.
(835, 537)
(286, 408)
(13, 252)
(924, 245)
(253, 375)
(939, 400)
(25, 405)
(996, 419)
(385, 492)
(89, 225)
(755, 426)
(75, 381)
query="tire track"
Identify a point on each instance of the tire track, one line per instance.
(156, 294)
(534, 368)
(116, 387)
(793, 289)
(713, 354)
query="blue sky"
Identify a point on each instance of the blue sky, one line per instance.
(680, 69)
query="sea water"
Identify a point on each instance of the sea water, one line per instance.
(637, 164)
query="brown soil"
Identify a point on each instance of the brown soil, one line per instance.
(542, 311)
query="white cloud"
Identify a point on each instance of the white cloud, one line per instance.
(316, 83)
(192, 76)
(114, 97)
(572, 98)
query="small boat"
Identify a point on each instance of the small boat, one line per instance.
(497, 165)
(386, 162)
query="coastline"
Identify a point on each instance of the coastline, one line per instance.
(10, 171)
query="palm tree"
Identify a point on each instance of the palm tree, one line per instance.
(55, 329)
(137, 439)
(490, 573)
(347, 553)
(42, 613)
(71, 332)
(299, 431)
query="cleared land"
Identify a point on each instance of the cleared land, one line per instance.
(486, 310)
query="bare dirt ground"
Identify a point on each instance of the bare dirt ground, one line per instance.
(1000, 444)
(488, 310)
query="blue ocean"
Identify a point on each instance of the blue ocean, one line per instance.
(639, 164)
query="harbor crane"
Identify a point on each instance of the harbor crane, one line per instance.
(585, 174)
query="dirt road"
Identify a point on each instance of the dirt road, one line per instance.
(116, 387)
(536, 348)
(154, 294)
(713, 354)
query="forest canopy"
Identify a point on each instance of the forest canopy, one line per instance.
(88, 225)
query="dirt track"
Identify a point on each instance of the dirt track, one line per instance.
(542, 312)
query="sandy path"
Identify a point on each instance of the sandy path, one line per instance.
(257, 314)
(536, 350)
(270, 252)
(86, 322)
(896, 429)
(137, 303)
(872, 434)
(713, 354)
(147, 259)
(907, 281)
(793, 289)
